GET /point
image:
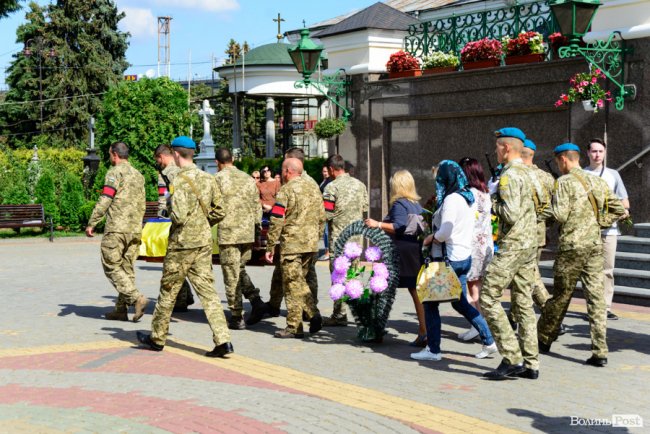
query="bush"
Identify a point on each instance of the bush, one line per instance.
(45, 193)
(328, 128)
(72, 201)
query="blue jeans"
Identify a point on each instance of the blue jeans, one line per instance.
(462, 306)
(326, 237)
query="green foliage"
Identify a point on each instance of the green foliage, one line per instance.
(143, 114)
(328, 128)
(8, 6)
(72, 201)
(45, 193)
(312, 166)
(77, 50)
(14, 188)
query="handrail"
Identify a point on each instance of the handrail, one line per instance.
(633, 159)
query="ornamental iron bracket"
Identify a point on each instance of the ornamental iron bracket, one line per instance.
(334, 88)
(609, 57)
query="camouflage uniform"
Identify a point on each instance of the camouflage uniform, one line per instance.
(513, 263)
(277, 291)
(189, 253)
(345, 200)
(184, 297)
(580, 256)
(239, 212)
(297, 221)
(123, 202)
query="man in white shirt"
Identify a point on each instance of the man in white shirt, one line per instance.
(597, 153)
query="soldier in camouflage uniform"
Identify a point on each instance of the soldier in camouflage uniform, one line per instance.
(123, 203)
(277, 292)
(514, 262)
(580, 251)
(194, 197)
(167, 170)
(239, 212)
(345, 200)
(297, 221)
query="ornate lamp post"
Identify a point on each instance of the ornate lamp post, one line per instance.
(91, 160)
(40, 47)
(306, 56)
(574, 18)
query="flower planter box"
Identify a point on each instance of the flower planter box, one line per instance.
(479, 64)
(526, 58)
(438, 70)
(402, 74)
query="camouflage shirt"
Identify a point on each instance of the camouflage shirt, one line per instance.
(345, 200)
(239, 209)
(573, 210)
(163, 189)
(190, 226)
(513, 204)
(297, 218)
(122, 200)
(545, 181)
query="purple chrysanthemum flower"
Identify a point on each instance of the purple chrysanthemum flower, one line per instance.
(380, 270)
(373, 254)
(352, 250)
(337, 291)
(341, 264)
(354, 288)
(338, 277)
(378, 284)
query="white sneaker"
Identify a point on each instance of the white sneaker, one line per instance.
(487, 351)
(469, 334)
(425, 354)
(461, 335)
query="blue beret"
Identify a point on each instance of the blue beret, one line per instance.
(183, 142)
(566, 147)
(529, 144)
(511, 132)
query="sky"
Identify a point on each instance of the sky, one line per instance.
(200, 29)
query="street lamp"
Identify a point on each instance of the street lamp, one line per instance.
(574, 18)
(306, 56)
(41, 46)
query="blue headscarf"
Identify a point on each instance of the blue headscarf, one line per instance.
(451, 179)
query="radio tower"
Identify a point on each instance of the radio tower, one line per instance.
(164, 45)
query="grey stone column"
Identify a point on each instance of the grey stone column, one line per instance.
(270, 127)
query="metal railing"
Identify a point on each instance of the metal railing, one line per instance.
(634, 159)
(452, 33)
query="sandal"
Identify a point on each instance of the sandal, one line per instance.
(420, 341)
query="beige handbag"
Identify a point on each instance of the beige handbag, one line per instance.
(437, 281)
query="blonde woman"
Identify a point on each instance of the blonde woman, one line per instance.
(403, 202)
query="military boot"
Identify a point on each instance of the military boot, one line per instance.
(287, 334)
(257, 312)
(335, 321)
(236, 323)
(140, 305)
(116, 316)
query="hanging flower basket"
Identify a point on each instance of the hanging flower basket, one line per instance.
(588, 105)
(327, 128)
(368, 290)
(586, 88)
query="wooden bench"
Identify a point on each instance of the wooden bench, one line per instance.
(25, 216)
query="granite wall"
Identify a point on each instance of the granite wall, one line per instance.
(413, 123)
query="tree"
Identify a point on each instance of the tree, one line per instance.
(77, 55)
(8, 6)
(143, 114)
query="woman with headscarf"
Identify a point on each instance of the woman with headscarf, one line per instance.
(453, 228)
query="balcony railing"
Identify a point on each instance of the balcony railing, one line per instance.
(452, 33)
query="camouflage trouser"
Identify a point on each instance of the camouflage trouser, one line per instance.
(196, 264)
(233, 258)
(277, 291)
(295, 269)
(585, 264)
(540, 293)
(184, 297)
(516, 268)
(119, 252)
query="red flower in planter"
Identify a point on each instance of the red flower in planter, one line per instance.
(402, 61)
(484, 49)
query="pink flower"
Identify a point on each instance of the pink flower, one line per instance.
(373, 254)
(378, 284)
(594, 80)
(354, 288)
(380, 270)
(338, 277)
(600, 103)
(341, 264)
(352, 250)
(337, 291)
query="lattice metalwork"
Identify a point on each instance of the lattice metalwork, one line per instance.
(452, 33)
(334, 88)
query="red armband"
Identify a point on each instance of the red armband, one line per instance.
(329, 205)
(109, 191)
(162, 191)
(278, 210)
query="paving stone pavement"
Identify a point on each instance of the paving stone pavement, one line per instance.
(65, 369)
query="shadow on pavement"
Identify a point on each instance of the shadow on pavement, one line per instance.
(562, 424)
